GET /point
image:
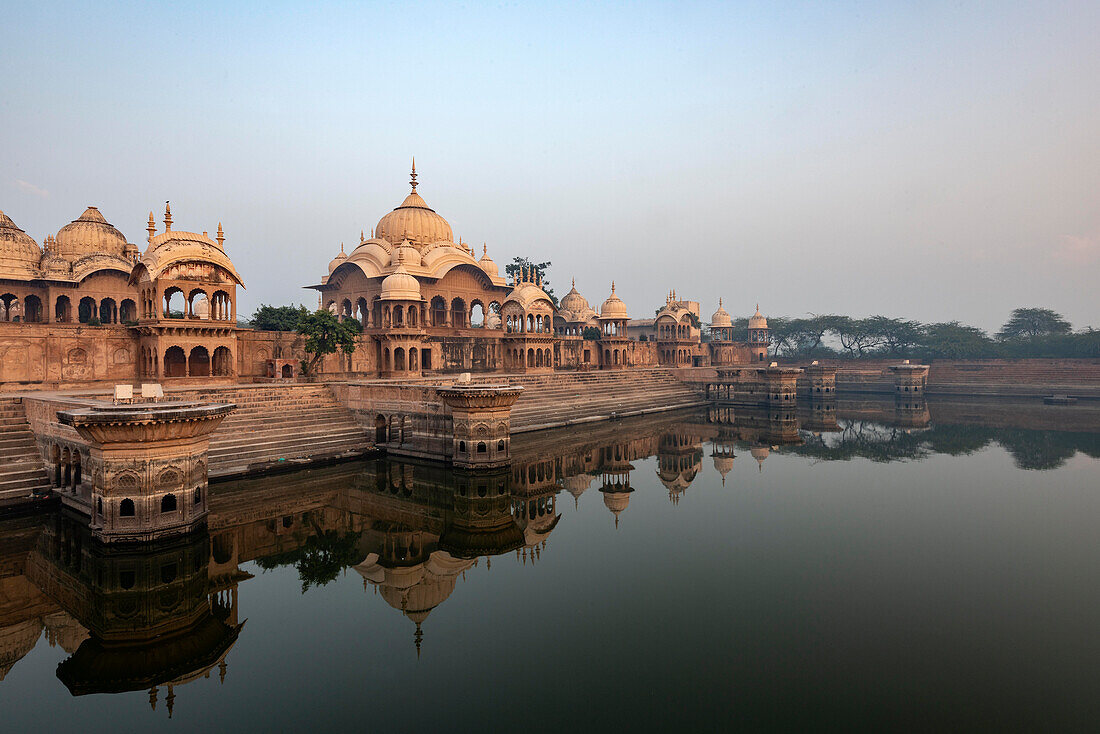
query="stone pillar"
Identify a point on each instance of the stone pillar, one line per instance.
(148, 468)
(781, 384)
(482, 421)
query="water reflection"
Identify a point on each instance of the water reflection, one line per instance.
(156, 617)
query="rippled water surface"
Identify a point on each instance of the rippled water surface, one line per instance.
(864, 568)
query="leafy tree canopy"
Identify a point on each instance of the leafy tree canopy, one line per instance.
(591, 332)
(278, 318)
(1029, 323)
(325, 334)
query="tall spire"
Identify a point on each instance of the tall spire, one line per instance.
(167, 217)
(221, 237)
(152, 228)
(412, 181)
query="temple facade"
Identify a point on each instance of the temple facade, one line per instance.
(89, 306)
(427, 304)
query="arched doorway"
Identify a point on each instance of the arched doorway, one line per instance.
(175, 362)
(198, 364)
(380, 429)
(86, 309)
(223, 362)
(63, 310)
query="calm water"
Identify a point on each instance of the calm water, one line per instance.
(858, 569)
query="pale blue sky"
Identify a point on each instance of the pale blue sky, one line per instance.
(928, 160)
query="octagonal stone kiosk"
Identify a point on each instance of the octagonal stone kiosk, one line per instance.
(148, 467)
(482, 423)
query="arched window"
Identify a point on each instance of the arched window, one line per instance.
(481, 447)
(126, 508)
(198, 495)
(168, 503)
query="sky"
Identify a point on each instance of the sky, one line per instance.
(926, 160)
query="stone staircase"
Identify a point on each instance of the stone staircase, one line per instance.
(276, 425)
(22, 471)
(561, 399)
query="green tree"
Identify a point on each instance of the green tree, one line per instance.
(894, 336)
(278, 318)
(952, 340)
(591, 332)
(1029, 323)
(520, 264)
(857, 336)
(325, 334)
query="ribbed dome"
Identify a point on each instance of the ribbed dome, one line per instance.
(414, 220)
(613, 307)
(335, 262)
(757, 320)
(19, 253)
(574, 301)
(406, 255)
(487, 263)
(90, 234)
(400, 286)
(721, 318)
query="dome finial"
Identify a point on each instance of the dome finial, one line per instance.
(412, 181)
(152, 228)
(167, 217)
(484, 249)
(574, 282)
(341, 248)
(612, 286)
(221, 237)
(719, 301)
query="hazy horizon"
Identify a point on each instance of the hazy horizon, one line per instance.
(933, 162)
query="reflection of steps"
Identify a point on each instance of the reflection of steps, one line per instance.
(563, 398)
(277, 424)
(21, 469)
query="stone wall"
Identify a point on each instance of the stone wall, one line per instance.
(53, 354)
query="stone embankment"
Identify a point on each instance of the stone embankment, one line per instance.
(22, 471)
(996, 378)
(568, 398)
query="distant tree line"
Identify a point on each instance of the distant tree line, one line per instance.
(1029, 332)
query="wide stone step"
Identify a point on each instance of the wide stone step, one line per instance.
(290, 435)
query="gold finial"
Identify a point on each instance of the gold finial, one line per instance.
(612, 286)
(221, 236)
(167, 217)
(341, 248)
(412, 181)
(152, 228)
(361, 238)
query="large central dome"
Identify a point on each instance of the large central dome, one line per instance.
(415, 221)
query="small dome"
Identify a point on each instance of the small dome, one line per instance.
(415, 221)
(613, 307)
(400, 286)
(759, 453)
(724, 465)
(341, 257)
(757, 320)
(90, 234)
(721, 318)
(19, 253)
(406, 255)
(487, 263)
(573, 301)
